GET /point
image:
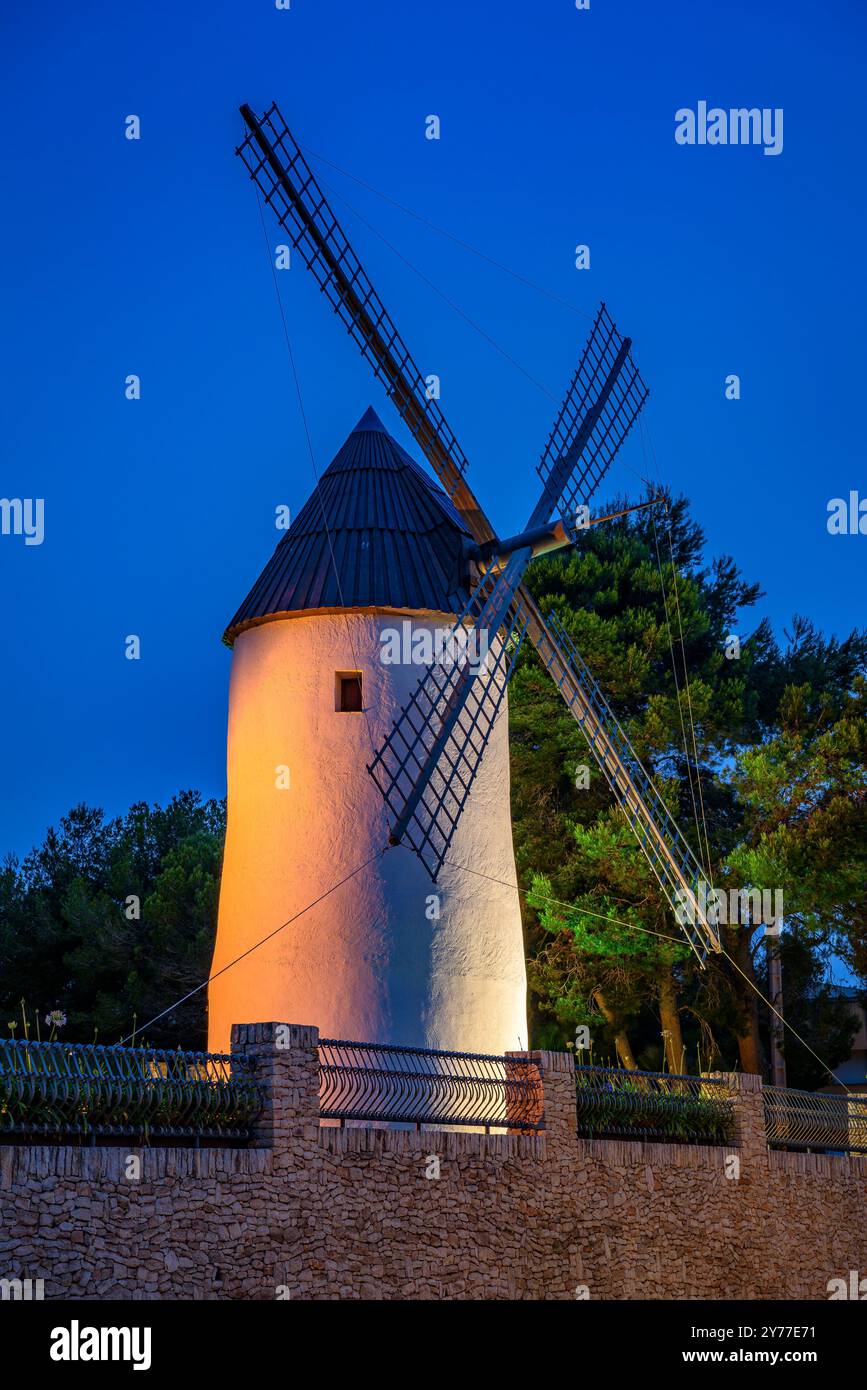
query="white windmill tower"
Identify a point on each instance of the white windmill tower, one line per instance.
(323, 661)
(367, 961)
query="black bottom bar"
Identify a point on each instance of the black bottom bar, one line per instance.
(199, 1339)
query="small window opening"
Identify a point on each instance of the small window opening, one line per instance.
(348, 692)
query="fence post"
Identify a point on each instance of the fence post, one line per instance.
(749, 1111)
(284, 1062)
(557, 1070)
(521, 1067)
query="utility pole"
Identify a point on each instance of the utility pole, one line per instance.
(775, 991)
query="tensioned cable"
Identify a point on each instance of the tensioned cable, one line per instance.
(676, 681)
(689, 706)
(689, 768)
(685, 672)
(250, 949)
(753, 986)
(450, 236)
(677, 687)
(312, 460)
(466, 246)
(728, 957)
(645, 433)
(556, 902)
(327, 893)
(503, 883)
(442, 295)
(724, 952)
(456, 308)
(571, 907)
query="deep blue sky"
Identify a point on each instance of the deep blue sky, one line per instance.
(557, 128)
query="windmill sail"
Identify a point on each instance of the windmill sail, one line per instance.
(276, 164)
(426, 766)
(604, 399)
(679, 873)
(606, 374)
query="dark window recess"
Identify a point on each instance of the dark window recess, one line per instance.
(349, 692)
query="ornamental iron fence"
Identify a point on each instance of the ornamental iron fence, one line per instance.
(61, 1091)
(68, 1089)
(618, 1104)
(414, 1086)
(815, 1120)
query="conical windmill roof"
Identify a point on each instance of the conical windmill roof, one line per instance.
(376, 533)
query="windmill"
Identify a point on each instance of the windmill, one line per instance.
(427, 765)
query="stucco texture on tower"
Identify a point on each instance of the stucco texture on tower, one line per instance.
(371, 960)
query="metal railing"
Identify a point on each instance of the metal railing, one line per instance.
(409, 1085)
(817, 1121)
(613, 1103)
(67, 1089)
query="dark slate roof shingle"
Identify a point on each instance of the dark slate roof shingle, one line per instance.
(393, 539)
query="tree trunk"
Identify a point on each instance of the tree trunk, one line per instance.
(621, 1042)
(749, 1046)
(669, 1016)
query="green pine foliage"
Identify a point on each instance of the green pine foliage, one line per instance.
(111, 921)
(772, 787)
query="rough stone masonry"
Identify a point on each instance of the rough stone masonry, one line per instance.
(316, 1212)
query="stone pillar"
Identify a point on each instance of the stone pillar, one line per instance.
(749, 1111)
(284, 1062)
(523, 1104)
(557, 1070)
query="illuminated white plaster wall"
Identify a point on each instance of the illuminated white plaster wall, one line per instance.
(366, 963)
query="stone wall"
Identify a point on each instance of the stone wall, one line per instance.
(320, 1212)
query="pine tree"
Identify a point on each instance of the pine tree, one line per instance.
(656, 626)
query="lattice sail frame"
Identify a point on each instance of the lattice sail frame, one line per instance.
(414, 782)
(592, 425)
(676, 868)
(403, 769)
(303, 211)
